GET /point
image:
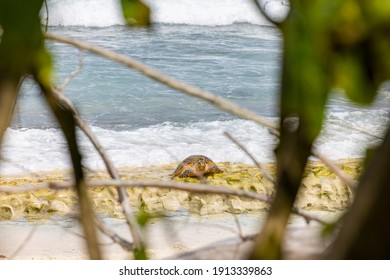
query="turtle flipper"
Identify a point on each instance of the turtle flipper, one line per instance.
(178, 171)
(186, 173)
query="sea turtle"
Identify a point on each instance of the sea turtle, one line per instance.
(196, 166)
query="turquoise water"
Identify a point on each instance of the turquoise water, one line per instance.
(141, 122)
(240, 62)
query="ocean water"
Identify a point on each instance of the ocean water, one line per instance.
(223, 46)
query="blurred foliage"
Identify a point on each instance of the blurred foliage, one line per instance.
(22, 53)
(22, 49)
(327, 44)
(136, 13)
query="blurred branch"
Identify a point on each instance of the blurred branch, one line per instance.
(220, 102)
(272, 180)
(122, 194)
(73, 73)
(191, 187)
(352, 184)
(25, 188)
(47, 16)
(8, 96)
(258, 164)
(66, 119)
(24, 242)
(365, 231)
(359, 130)
(114, 237)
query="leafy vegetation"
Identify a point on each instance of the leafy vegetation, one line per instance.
(327, 44)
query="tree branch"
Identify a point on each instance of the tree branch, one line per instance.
(73, 73)
(139, 243)
(352, 184)
(114, 237)
(47, 16)
(258, 164)
(67, 122)
(219, 102)
(24, 242)
(8, 97)
(191, 187)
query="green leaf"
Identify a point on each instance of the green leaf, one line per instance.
(329, 229)
(22, 50)
(143, 218)
(136, 13)
(352, 75)
(141, 254)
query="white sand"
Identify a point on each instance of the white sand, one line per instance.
(168, 237)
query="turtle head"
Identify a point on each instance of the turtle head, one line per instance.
(202, 165)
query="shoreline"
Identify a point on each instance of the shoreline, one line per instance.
(42, 225)
(320, 190)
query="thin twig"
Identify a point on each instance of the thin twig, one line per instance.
(214, 248)
(258, 164)
(272, 180)
(239, 228)
(358, 130)
(104, 229)
(128, 246)
(47, 16)
(25, 241)
(73, 74)
(191, 187)
(335, 169)
(8, 97)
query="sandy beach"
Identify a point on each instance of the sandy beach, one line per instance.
(41, 224)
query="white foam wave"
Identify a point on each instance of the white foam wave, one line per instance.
(34, 150)
(91, 13)
(44, 150)
(349, 134)
(101, 13)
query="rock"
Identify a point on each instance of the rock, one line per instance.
(35, 206)
(6, 212)
(197, 205)
(150, 203)
(59, 206)
(170, 202)
(235, 205)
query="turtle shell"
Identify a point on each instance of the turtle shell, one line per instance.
(196, 166)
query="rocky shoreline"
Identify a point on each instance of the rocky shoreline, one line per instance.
(321, 191)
